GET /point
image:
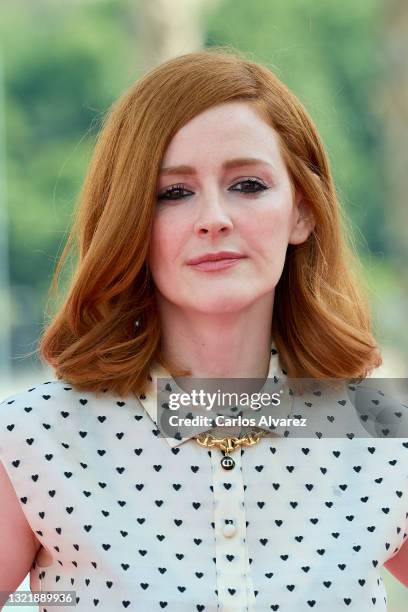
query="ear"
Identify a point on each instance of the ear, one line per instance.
(303, 221)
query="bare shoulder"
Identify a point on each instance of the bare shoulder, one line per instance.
(398, 564)
(19, 544)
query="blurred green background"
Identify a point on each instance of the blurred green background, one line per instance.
(63, 63)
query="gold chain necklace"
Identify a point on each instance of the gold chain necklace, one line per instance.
(230, 443)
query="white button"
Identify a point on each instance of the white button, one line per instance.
(229, 530)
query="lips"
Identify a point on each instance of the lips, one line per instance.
(220, 256)
(217, 265)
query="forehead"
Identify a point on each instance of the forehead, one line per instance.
(226, 130)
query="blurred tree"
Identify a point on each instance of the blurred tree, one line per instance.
(60, 78)
(394, 104)
(169, 28)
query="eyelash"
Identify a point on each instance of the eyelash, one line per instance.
(180, 186)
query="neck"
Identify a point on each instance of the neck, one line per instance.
(221, 345)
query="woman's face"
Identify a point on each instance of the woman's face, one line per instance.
(223, 187)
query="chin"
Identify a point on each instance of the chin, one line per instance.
(218, 304)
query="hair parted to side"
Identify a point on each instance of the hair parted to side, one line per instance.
(321, 320)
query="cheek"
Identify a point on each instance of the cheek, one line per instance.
(166, 241)
(269, 230)
(159, 247)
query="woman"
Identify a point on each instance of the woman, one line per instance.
(210, 246)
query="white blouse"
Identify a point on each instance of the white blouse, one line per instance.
(135, 520)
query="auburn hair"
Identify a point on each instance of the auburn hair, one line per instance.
(321, 323)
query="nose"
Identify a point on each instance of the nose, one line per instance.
(212, 218)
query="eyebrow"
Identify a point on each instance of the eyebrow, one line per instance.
(231, 163)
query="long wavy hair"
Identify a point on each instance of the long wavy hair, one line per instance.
(321, 322)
